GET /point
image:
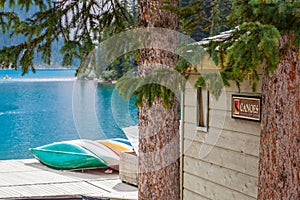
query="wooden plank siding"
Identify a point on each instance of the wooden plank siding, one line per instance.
(218, 174)
(187, 194)
(212, 190)
(231, 140)
(237, 161)
(229, 170)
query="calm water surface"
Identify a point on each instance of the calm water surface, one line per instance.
(50, 106)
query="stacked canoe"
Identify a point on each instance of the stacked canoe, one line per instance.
(82, 154)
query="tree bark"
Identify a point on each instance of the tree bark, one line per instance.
(279, 165)
(159, 169)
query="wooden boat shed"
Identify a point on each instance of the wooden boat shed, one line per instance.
(220, 142)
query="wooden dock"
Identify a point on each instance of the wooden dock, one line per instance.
(28, 179)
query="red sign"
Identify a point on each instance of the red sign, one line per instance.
(246, 107)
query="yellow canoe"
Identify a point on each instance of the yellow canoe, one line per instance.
(116, 145)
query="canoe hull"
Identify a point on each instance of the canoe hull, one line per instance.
(81, 154)
(59, 156)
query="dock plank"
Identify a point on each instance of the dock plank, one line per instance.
(14, 166)
(51, 190)
(117, 189)
(30, 179)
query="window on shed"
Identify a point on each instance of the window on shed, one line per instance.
(202, 107)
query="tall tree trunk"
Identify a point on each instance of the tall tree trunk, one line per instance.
(279, 166)
(159, 173)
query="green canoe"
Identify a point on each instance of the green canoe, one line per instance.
(67, 156)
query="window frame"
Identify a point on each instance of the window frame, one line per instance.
(204, 114)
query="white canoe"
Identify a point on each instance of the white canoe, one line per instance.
(132, 133)
(100, 150)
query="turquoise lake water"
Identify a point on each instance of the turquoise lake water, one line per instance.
(51, 106)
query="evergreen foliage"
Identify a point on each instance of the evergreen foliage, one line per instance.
(108, 75)
(161, 83)
(202, 18)
(80, 24)
(254, 42)
(123, 65)
(207, 18)
(191, 14)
